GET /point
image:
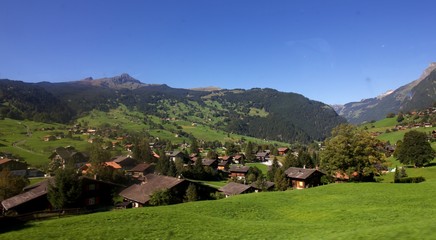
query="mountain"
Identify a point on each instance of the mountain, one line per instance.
(416, 95)
(262, 113)
(124, 81)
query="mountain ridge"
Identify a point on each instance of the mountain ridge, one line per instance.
(408, 97)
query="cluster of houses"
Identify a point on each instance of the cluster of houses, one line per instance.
(145, 181)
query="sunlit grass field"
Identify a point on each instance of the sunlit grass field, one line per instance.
(335, 211)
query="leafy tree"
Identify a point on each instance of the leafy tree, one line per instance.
(11, 185)
(249, 155)
(304, 159)
(212, 155)
(194, 145)
(66, 189)
(198, 169)
(415, 149)
(253, 174)
(290, 161)
(191, 193)
(97, 154)
(163, 164)
(281, 182)
(231, 148)
(142, 151)
(399, 173)
(161, 197)
(272, 171)
(172, 170)
(400, 117)
(352, 150)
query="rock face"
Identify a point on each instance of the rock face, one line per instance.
(416, 95)
(124, 81)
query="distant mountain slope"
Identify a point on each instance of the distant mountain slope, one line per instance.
(416, 95)
(262, 113)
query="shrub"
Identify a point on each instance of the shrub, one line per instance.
(410, 180)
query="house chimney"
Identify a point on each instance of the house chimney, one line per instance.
(304, 166)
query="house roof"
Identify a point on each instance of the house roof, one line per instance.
(268, 185)
(173, 153)
(5, 160)
(233, 188)
(300, 173)
(113, 165)
(120, 159)
(142, 192)
(240, 169)
(282, 149)
(141, 167)
(39, 190)
(238, 156)
(262, 154)
(223, 163)
(208, 162)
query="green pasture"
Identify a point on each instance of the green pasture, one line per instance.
(335, 211)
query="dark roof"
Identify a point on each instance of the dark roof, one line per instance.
(5, 160)
(141, 192)
(262, 154)
(223, 163)
(233, 188)
(120, 159)
(173, 153)
(268, 185)
(39, 190)
(208, 162)
(300, 173)
(141, 167)
(240, 169)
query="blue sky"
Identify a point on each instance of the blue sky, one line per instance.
(328, 50)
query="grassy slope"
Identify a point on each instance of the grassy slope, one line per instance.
(14, 137)
(337, 211)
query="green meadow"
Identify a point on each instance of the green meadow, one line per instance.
(335, 211)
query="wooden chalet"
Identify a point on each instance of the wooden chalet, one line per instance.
(233, 188)
(34, 198)
(262, 156)
(239, 158)
(142, 169)
(283, 150)
(175, 155)
(139, 194)
(94, 194)
(12, 164)
(68, 156)
(238, 172)
(126, 162)
(303, 177)
(212, 163)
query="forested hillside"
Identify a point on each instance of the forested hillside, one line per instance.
(261, 113)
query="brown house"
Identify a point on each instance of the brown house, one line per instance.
(126, 162)
(94, 194)
(140, 194)
(233, 188)
(238, 172)
(12, 164)
(304, 178)
(68, 156)
(262, 156)
(282, 151)
(141, 170)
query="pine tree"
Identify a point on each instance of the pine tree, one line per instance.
(191, 193)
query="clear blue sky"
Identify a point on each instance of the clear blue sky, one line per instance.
(330, 51)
